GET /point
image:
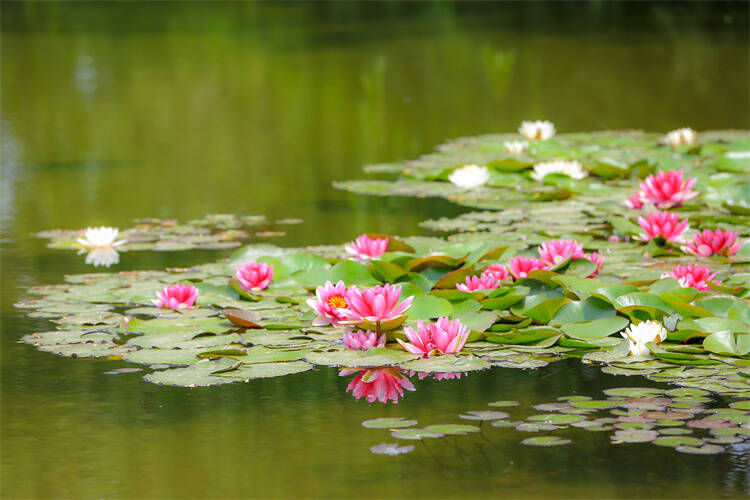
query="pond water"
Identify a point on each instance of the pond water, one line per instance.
(118, 111)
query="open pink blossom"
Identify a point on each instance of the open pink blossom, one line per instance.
(706, 243)
(378, 384)
(483, 282)
(364, 247)
(330, 302)
(255, 275)
(596, 259)
(664, 224)
(555, 251)
(376, 307)
(667, 189)
(441, 337)
(497, 271)
(363, 341)
(691, 276)
(520, 267)
(634, 202)
(176, 297)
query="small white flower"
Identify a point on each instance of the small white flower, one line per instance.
(641, 334)
(516, 147)
(99, 237)
(537, 131)
(103, 256)
(737, 155)
(680, 136)
(470, 176)
(572, 169)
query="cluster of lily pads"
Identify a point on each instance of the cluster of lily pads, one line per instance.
(214, 231)
(677, 418)
(562, 268)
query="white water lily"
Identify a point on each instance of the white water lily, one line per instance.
(572, 169)
(100, 237)
(537, 131)
(641, 334)
(680, 136)
(103, 256)
(516, 147)
(470, 176)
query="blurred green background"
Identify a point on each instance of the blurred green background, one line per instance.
(112, 111)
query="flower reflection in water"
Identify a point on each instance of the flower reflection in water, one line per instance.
(378, 384)
(103, 256)
(387, 383)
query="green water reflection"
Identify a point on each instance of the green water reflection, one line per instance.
(112, 111)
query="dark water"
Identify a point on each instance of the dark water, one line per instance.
(112, 111)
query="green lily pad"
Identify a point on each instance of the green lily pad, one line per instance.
(452, 429)
(545, 441)
(388, 423)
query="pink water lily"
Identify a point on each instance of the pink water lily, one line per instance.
(634, 202)
(555, 251)
(484, 282)
(707, 243)
(520, 267)
(691, 276)
(667, 189)
(363, 340)
(255, 276)
(176, 297)
(330, 302)
(664, 224)
(376, 307)
(441, 337)
(596, 259)
(364, 247)
(378, 384)
(497, 271)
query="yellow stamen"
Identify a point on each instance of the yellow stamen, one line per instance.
(337, 301)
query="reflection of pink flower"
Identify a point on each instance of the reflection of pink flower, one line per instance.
(442, 337)
(381, 384)
(483, 282)
(596, 259)
(363, 341)
(176, 297)
(693, 276)
(255, 275)
(707, 243)
(497, 271)
(634, 202)
(330, 303)
(667, 189)
(520, 267)
(364, 247)
(555, 251)
(664, 224)
(376, 304)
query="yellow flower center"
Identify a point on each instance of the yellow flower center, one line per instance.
(337, 301)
